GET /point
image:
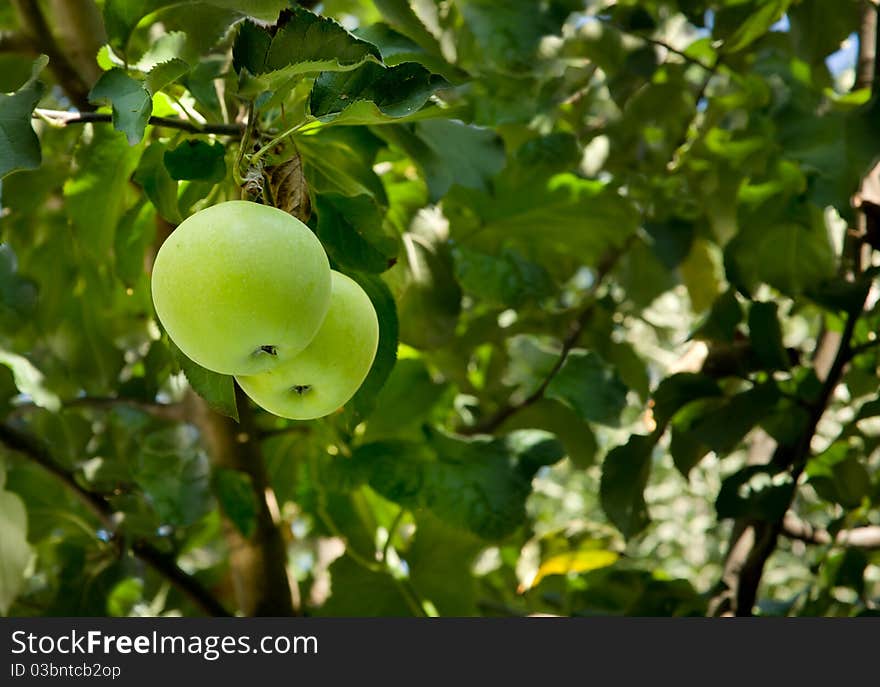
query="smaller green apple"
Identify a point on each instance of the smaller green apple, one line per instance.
(325, 375)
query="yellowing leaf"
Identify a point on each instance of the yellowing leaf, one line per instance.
(574, 562)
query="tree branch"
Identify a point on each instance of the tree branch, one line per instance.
(15, 41)
(867, 537)
(576, 329)
(62, 118)
(164, 564)
(258, 563)
(38, 32)
(660, 44)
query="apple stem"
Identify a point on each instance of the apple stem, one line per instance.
(301, 389)
(271, 350)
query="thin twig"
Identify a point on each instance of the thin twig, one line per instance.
(867, 537)
(660, 44)
(164, 564)
(576, 329)
(62, 118)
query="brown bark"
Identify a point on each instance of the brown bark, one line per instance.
(258, 564)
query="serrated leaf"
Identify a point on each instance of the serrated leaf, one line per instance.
(165, 73)
(590, 387)
(250, 47)
(625, 474)
(19, 145)
(196, 159)
(15, 552)
(449, 152)
(130, 102)
(313, 43)
(351, 230)
(394, 92)
(235, 493)
(306, 43)
(218, 390)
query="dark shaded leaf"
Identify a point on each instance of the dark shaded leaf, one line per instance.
(235, 492)
(197, 160)
(625, 474)
(590, 387)
(19, 145)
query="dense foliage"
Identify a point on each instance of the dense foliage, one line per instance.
(622, 258)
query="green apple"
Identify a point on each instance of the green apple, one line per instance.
(331, 369)
(241, 287)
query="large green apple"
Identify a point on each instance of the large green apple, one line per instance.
(241, 287)
(333, 366)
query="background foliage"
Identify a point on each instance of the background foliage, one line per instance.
(622, 255)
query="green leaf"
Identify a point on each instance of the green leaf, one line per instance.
(676, 391)
(839, 476)
(396, 48)
(164, 74)
(351, 230)
(753, 492)
(122, 16)
(363, 402)
(235, 492)
(765, 333)
(340, 160)
(15, 552)
(405, 402)
(160, 188)
(449, 152)
(305, 43)
(562, 217)
(440, 561)
(217, 390)
(251, 47)
(755, 25)
(590, 387)
(124, 597)
(788, 256)
(508, 279)
(721, 423)
(479, 484)
(18, 294)
(19, 145)
(197, 159)
(131, 103)
(95, 198)
(625, 474)
(722, 320)
(135, 233)
(393, 92)
(311, 43)
(400, 14)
